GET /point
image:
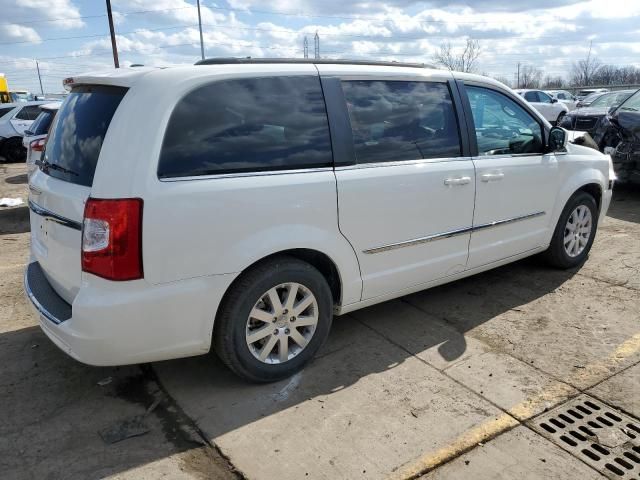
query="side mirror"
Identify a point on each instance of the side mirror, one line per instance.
(28, 133)
(557, 139)
(554, 100)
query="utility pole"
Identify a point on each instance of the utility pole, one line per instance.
(305, 47)
(39, 78)
(316, 45)
(518, 83)
(114, 47)
(200, 26)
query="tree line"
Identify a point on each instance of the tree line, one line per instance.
(585, 72)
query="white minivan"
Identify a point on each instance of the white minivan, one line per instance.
(255, 199)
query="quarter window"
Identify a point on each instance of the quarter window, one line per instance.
(502, 125)
(247, 125)
(396, 120)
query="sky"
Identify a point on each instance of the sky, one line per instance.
(68, 37)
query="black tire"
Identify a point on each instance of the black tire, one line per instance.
(230, 326)
(13, 151)
(556, 255)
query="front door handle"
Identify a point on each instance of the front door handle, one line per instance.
(491, 177)
(457, 181)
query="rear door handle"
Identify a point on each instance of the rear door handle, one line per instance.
(457, 181)
(491, 177)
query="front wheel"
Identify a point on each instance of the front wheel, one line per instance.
(574, 234)
(273, 320)
(560, 117)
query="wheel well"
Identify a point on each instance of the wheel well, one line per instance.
(319, 260)
(594, 190)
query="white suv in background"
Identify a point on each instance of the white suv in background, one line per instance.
(254, 200)
(565, 97)
(548, 106)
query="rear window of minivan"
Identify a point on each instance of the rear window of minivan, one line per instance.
(72, 150)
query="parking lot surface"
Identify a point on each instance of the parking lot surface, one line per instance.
(447, 383)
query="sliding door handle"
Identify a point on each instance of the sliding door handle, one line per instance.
(491, 177)
(457, 181)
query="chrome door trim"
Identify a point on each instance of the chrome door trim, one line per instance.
(498, 223)
(54, 217)
(418, 241)
(452, 233)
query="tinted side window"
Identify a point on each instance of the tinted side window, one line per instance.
(543, 97)
(28, 113)
(257, 124)
(502, 126)
(396, 120)
(531, 96)
(4, 111)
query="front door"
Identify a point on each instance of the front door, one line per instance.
(516, 183)
(406, 206)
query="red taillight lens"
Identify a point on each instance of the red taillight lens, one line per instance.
(37, 145)
(112, 238)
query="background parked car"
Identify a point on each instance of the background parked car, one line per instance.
(565, 97)
(586, 118)
(549, 107)
(618, 133)
(15, 118)
(586, 101)
(582, 94)
(36, 135)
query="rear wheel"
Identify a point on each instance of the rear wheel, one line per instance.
(574, 233)
(273, 320)
(13, 151)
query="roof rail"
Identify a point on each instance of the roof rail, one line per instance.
(238, 60)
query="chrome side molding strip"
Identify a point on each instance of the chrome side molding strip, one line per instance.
(54, 217)
(418, 241)
(452, 233)
(497, 223)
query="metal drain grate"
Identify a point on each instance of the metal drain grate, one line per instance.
(604, 438)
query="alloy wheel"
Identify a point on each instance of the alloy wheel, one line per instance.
(282, 323)
(577, 231)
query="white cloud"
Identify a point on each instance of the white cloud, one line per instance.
(18, 33)
(64, 12)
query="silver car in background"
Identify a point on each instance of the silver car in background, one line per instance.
(36, 136)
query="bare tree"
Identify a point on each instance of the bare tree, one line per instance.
(583, 71)
(530, 77)
(461, 61)
(553, 82)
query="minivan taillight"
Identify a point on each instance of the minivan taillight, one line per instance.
(112, 238)
(37, 145)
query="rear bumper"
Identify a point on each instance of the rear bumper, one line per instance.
(119, 323)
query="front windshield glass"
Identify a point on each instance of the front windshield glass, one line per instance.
(632, 103)
(607, 100)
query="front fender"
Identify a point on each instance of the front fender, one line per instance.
(576, 181)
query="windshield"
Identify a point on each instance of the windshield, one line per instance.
(632, 103)
(76, 137)
(609, 100)
(21, 96)
(41, 124)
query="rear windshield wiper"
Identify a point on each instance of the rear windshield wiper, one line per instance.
(53, 166)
